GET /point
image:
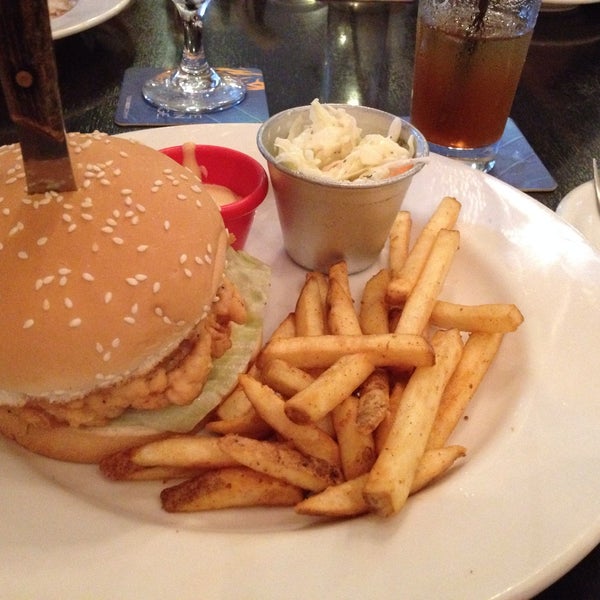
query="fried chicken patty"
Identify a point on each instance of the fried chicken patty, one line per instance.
(176, 380)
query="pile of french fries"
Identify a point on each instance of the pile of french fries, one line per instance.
(347, 409)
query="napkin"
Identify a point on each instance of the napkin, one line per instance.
(134, 111)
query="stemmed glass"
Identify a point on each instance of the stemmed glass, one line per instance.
(194, 86)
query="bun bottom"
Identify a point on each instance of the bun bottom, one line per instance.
(69, 444)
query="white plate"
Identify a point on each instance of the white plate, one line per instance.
(579, 208)
(557, 5)
(85, 15)
(518, 512)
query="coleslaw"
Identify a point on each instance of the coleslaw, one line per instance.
(333, 147)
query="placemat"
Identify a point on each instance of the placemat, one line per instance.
(134, 111)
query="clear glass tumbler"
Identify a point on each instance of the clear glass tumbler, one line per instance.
(469, 56)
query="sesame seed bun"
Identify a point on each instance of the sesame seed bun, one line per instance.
(100, 284)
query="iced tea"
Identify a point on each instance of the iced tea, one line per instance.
(465, 77)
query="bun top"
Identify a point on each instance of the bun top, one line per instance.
(99, 284)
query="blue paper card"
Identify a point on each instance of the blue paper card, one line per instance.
(134, 111)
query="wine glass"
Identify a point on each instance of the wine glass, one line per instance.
(194, 86)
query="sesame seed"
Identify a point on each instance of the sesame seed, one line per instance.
(87, 183)
(87, 217)
(106, 357)
(16, 228)
(88, 276)
(107, 229)
(126, 192)
(105, 182)
(99, 348)
(167, 225)
(198, 260)
(181, 197)
(156, 287)
(117, 240)
(158, 311)
(28, 324)
(141, 208)
(6, 212)
(107, 297)
(68, 302)
(123, 154)
(134, 309)
(188, 273)
(116, 343)
(129, 320)
(62, 281)
(75, 322)
(158, 182)
(182, 259)
(48, 279)
(111, 222)
(71, 228)
(166, 320)
(95, 247)
(135, 220)
(23, 255)
(142, 247)
(132, 281)
(38, 284)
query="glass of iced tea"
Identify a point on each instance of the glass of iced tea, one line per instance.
(469, 56)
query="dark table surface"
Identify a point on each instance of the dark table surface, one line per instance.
(557, 106)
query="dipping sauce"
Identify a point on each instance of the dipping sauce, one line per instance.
(220, 194)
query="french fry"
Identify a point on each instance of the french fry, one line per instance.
(399, 242)
(309, 439)
(341, 317)
(119, 467)
(433, 464)
(357, 449)
(286, 328)
(478, 353)
(249, 424)
(392, 475)
(339, 272)
(235, 405)
(347, 499)
(285, 378)
(373, 315)
(373, 401)
(310, 310)
(182, 451)
(342, 500)
(281, 462)
(227, 488)
(383, 430)
(417, 309)
(320, 352)
(329, 389)
(444, 217)
(490, 318)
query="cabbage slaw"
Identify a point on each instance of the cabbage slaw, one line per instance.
(332, 147)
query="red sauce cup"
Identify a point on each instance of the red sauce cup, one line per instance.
(237, 171)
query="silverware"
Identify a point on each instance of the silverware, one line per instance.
(30, 83)
(596, 183)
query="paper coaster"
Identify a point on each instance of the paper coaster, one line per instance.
(133, 110)
(518, 165)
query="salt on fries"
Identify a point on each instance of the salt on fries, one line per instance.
(345, 411)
